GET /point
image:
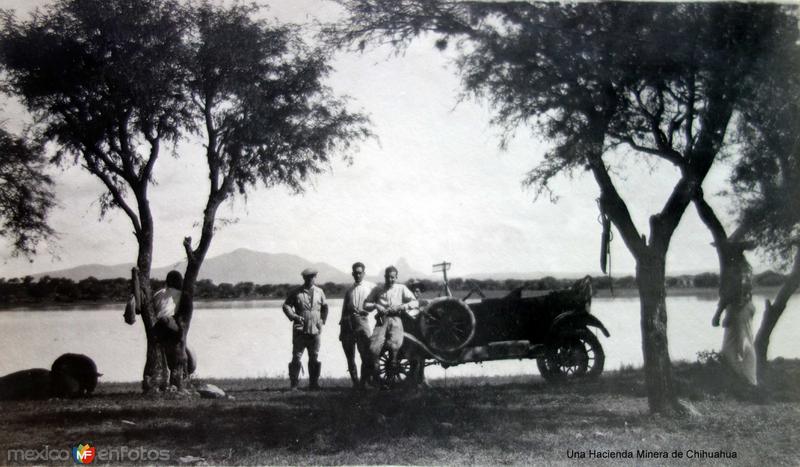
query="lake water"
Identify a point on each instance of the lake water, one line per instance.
(253, 338)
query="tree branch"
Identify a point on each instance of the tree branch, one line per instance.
(187, 246)
(688, 134)
(671, 156)
(714, 123)
(107, 162)
(116, 194)
(147, 169)
(613, 204)
(126, 154)
(710, 219)
(663, 142)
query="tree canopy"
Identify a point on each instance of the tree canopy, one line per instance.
(103, 81)
(26, 196)
(660, 79)
(259, 94)
(766, 177)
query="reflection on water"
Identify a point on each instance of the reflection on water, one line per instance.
(253, 338)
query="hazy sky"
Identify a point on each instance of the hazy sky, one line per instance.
(434, 186)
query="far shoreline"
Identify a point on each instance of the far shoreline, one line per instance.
(703, 293)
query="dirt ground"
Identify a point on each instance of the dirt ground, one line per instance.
(519, 420)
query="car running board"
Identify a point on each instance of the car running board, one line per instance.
(500, 350)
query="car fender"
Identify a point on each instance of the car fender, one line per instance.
(409, 340)
(576, 320)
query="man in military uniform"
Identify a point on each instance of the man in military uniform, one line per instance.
(354, 325)
(307, 308)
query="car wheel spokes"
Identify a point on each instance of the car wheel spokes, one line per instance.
(393, 373)
(572, 357)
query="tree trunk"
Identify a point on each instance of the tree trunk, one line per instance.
(773, 312)
(194, 261)
(154, 373)
(650, 278)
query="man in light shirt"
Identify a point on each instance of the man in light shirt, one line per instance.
(307, 308)
(389, 300)
(354, 325)
(166, 330)
(165, 302)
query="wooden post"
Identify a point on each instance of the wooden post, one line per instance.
(443, 267)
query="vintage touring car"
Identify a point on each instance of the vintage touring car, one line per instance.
(554, 329)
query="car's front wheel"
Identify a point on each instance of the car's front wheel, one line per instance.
(573, 356)
(393, 373)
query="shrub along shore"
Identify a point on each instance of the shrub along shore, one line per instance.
(49, 292)
(26, 290)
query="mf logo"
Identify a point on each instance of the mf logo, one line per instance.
(83, 453)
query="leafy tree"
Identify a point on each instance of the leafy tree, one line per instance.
(263, 290)
(766, 179)
(769, 279)
(765, 182)
(226, 290)
(205, 288)
(706, 279)
(456, 284)
(113, 81)
(604, 282)
(267, 117)
(90, 289)
(660, 81)
(244, 289)
(26, 195)
(101, 78)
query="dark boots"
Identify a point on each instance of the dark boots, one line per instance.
(351, 368)
(366, 371)
(294, 374)
(314, 369)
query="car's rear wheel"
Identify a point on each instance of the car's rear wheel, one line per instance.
(574, 356)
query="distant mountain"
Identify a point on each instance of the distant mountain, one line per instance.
(98, 271)
(240, 265)
(280, 268)
(244, 265)
(405, 272)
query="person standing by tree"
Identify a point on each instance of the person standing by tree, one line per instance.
(390, 301)
(167, 331)
(738, 349)
(307, 308)
(354, 325)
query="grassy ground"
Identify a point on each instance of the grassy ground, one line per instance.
(515, 420)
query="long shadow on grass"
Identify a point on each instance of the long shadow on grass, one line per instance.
(330, 421)
(339, 419)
